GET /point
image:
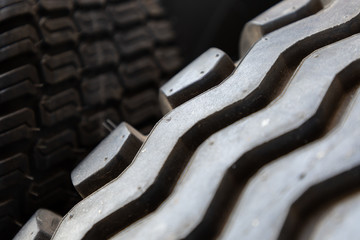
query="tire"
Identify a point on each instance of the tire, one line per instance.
(67, 67)
(267, 151)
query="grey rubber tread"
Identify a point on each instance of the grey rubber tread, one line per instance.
(282, 14)
(304, 168)
(338, 221)
(59, 83)
(232, 144)
(141, 186)
(208, 70)
(107, 160)
(40, 226)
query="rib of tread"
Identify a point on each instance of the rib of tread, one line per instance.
(304, 168)
(140, 188)
(276, 17)
(271, 132)
(338, 213)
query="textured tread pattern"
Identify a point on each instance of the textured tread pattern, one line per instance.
(107, 160)
(276, 17)
(206, 71)
(283, 128)
(247, 97)
(61, 77)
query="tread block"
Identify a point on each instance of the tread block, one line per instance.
(205, 72)
(13, 8)
(101, 88)
(93, 22)
(139, 72)
(61, 67)
(98, 54)
(18, 82)
(154, 173)
(56, 5)
(91, 128)
(20, 40)
(18, 161)
(41, 225)
(134, 41)
(16, 126)
(161, 30)
(58, 30)
(152, 8)
(124, 14)
(59, 107)
(53, 150)
(107, 160)
(141, 107)
(282, 14)
(168, 58)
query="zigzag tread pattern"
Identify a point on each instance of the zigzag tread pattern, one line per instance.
(218, 160)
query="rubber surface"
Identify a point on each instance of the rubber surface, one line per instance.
(271, 152)
(65, 68)
(260, 78)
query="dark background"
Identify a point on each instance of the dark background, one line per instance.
(201, 24)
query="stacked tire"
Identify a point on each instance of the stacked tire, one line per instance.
(69, 71)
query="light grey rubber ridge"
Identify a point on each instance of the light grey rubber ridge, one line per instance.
(257, 81)
(40, 226)
(107, 160)
(317, 82)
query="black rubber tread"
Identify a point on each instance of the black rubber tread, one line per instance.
(249, 95)
(60, 79)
